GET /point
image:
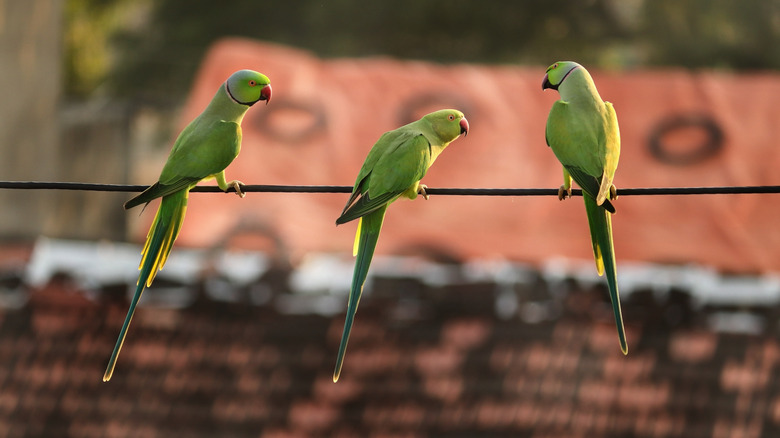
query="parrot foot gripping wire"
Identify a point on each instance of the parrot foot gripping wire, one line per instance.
(564, 193)
(422, 191)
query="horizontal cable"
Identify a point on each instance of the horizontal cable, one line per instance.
(40, 185)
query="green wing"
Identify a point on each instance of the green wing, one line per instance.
(581, 149)
(204, 148)
(396, 163)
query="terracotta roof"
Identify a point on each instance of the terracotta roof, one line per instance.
(326, 114)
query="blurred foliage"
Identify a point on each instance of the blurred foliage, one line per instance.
(741, 34)
(90, 24)
(158, 48)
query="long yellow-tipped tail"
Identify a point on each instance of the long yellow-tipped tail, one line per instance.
(159, 242)
(600, 224)
(367, 235)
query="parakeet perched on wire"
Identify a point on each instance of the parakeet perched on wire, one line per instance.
(393, 168)
(203, 150)
(582, 130)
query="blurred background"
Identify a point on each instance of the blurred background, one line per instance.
(482, 316)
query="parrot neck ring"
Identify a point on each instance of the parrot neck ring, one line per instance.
(547, 84)
(263, 96)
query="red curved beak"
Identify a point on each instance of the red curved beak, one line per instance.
(464, 126)
(265, 94)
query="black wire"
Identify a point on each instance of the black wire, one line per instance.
(42, 185)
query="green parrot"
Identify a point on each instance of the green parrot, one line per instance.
(394, 167)
(582, 130)
(203, 150)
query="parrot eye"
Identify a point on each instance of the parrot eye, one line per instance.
(555, 66)
(451, 117)
(252, 83)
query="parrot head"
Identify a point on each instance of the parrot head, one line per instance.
(556, 73)
(448, 123)
(248, 87)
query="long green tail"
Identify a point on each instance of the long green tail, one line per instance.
(369, 228)
(159, 242)
(604, 252)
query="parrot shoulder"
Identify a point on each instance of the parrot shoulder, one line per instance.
(206, 151)
(553, 133)
(402, 165)
(396, 162)
(386, 144)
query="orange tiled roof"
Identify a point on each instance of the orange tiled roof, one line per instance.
(326, 114)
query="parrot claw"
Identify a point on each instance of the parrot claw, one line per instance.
(564, 193)
(237, 186)
(421, 191)
(612, 192)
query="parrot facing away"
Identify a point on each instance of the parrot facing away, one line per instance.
(393, 168)
(202, 150)
(582, 131)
